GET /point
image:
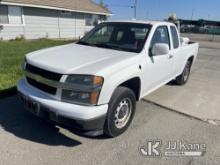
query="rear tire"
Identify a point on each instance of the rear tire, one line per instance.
(121, 112)
(184, 77)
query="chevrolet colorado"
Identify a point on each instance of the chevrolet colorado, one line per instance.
(93, 85)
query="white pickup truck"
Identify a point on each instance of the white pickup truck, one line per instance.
(93, 85)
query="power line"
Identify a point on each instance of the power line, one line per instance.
(127, 6)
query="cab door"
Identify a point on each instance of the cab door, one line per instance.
(158, 69)
(179, 56)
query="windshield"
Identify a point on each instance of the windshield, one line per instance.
(118, 36)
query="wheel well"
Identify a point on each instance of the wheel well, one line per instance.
(191, 59)
(135, 85)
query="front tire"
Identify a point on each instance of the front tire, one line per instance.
(184, 77)
(121, 112)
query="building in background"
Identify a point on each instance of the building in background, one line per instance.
(33, 19)
(200, 26)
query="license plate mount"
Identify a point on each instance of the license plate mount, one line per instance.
(33, 106)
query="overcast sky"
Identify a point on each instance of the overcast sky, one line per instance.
(161, 9)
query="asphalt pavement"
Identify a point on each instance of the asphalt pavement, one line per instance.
(28, 140)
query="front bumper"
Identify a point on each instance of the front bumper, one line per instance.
(87, 118)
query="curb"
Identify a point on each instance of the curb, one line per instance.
(173, 110)
(8, 92)
(208, 121)
(207, 47)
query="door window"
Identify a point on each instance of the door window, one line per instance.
(161, 35)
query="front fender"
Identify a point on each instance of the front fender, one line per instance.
(115, 80)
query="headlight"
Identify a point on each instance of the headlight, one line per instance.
(84, 80)
(86, 89)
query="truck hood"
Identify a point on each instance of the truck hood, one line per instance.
(76, 59)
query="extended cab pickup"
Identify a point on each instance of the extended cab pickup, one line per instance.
(93, 85)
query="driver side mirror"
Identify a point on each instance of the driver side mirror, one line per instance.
(160, 49)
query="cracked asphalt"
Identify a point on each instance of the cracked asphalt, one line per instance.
(27, 140)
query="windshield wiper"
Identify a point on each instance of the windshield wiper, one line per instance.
(85, 43)
(109, 46)
(98, 45)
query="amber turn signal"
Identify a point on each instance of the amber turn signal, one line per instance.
(97, 80)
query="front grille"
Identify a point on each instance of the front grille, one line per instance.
(43, 87)
(43, 73)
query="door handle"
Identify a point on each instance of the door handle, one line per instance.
(170, 56)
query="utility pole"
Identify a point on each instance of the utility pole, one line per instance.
(147, 15)
(101, 3)
(208, 17)
(193, 10)
(135, 9)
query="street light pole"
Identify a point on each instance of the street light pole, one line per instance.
(134, 6)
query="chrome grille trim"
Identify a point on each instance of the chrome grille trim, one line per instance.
(62, 85)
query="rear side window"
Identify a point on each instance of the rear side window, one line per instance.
(174, 37)
(161, 35)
